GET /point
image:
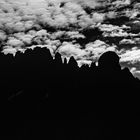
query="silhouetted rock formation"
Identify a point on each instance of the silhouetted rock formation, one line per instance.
(40, 87)
(109, 61)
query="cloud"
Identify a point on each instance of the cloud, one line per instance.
(14, 42)
(89, 3)
(84, 62)
(114, 31)
(121, 3)
(98, 17)
(9, 50)
(135, 72)
(42, 33)
(127, 41)
(3, 36)
(137, 40)
(26, 39)
(74, 35)
(111, 14)
(131, 56)
(57, 35)
(68, 50)
(60, 26)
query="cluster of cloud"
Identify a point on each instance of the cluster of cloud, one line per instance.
(114, 31)
(91, 52)
(60, 24)
(135, 72)
(20, 21)
(131, 56)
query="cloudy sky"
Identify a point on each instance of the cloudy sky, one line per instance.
(81, 28)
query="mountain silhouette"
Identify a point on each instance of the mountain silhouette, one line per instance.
(42, 88)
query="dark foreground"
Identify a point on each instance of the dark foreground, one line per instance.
(48, 99)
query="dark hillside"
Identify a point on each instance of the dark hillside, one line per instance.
(47, 97)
